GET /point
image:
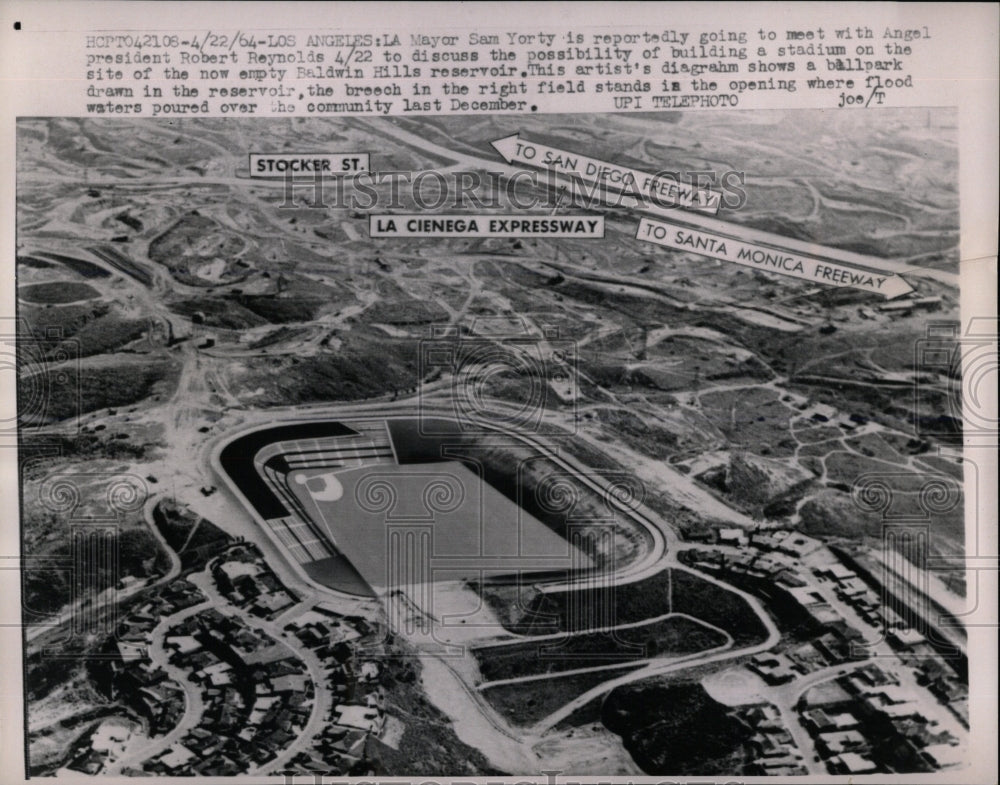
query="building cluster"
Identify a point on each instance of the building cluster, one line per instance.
(135, 679)
(358, 706)
(771, 746)
(254, 693)
(943, 682)
(852, 590)
(768, 564)
(913, 648)
(256, 697)
(830, 648)
(257, 693)
(104, 743)
(866, 721)
(132, 635)
(248, 583)
(772, 554)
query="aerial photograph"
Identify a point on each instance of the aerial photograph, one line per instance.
(589, 444)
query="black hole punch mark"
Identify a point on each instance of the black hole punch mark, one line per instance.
(17, 25)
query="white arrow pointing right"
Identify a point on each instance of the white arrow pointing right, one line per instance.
(661, 189)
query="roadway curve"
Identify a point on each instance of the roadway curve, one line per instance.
(194, 706)
(615, 627)
(114, 596)
(322, 704)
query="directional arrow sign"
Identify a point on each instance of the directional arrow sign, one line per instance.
(770, 259)
(661, 189)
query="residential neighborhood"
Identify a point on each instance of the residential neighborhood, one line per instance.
(855, 686)
(227, 672)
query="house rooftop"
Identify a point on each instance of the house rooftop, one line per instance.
(234, 569)
(185, 644)
(176, 756)
(360, 717)
(853, 763)
(906, 637)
